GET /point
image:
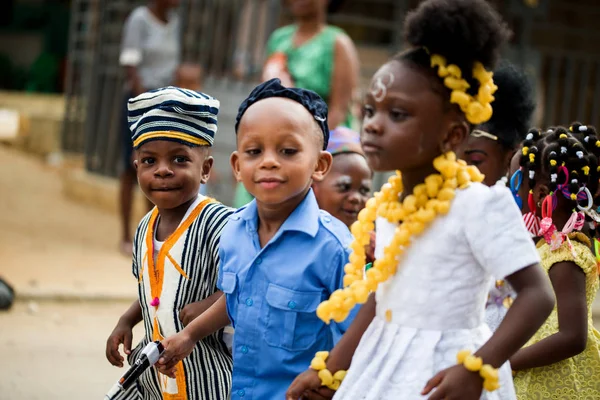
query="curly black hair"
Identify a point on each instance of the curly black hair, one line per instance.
(514, 105)
(463, 31)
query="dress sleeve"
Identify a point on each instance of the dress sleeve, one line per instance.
(584, 258)
(131, 42)
(495, 231)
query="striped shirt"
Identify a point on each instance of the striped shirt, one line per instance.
(190, 275)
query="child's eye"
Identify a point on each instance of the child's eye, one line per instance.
(476, 161)
(180, 159)
(397, 115)
(365, 190)
(148, 160)
(367, 111)
(253, 152)
(343, 187)
(289, 152)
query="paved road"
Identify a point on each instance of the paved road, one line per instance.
(52, 351)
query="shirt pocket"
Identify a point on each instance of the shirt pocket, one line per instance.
(228, 286)
(229, 282)
(292, 322)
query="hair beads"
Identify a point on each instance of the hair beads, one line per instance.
(570, 160)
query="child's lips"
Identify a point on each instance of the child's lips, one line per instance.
(369, 147)
(270, 183)
(350, 213)
(166, 189)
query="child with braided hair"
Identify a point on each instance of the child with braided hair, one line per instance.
(562, 360)
(589, 138)
(441, 235)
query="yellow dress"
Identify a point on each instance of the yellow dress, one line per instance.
(577, 377)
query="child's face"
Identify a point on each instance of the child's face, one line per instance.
(490, 157)
(170, 173)
(346, 188)
(279, 151)
(405, 123)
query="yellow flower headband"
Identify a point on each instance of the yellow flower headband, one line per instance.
(477, 109)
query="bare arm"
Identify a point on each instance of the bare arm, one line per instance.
(568, 281)
(344, 80)
(210, 321)
(341, 355)
(122, 334)
(193, 310)
(133, 315)
(180, 345)
(532, 306)
(529, 311)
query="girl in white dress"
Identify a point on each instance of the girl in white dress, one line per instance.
(433, 270)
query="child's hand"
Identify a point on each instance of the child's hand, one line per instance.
(306, 381)
(177, 347)
(123, 333)
(193, 310)
(455, 383)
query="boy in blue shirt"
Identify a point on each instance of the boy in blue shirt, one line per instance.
(280, 255)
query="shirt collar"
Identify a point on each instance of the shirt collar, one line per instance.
(305, 218)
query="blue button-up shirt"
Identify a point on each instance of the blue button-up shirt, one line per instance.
(273, 292)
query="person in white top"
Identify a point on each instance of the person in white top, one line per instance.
(432, 271)
(150, 54)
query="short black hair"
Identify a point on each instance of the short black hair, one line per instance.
(513, 106)
(462, 31)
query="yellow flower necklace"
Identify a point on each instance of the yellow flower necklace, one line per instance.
(415, 213)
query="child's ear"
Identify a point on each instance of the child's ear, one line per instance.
(323, 166)
(206, 167)
(136, 164)
(234, 160)
(455, 136)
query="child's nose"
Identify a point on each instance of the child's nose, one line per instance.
(163, 170)
(270, 160)
(373, 125)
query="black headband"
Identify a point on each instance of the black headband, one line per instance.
(307, 98)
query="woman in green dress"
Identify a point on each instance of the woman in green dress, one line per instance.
(310, 54)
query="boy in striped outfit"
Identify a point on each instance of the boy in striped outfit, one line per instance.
(175, 257)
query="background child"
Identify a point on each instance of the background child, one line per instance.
(431, 306)
(562, 360)
(347, 187)
(175, 256)
(491, 145)
(281, 255)
(490, 148)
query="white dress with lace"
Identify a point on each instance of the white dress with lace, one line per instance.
(438, 296)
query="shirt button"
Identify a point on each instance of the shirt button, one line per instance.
(244, 350)
(241, 393)
(327, 219)
(258, 260)
(249, 302)
(292, 304)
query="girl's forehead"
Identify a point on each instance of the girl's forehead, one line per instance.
(396, 76)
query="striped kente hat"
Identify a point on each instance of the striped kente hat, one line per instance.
(175, 114)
